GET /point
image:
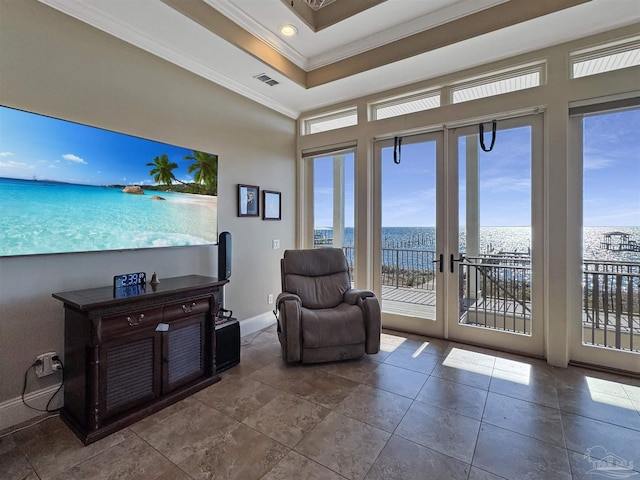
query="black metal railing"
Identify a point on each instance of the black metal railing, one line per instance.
(611, 304)
(409, 268)
(403, 267)
(495, 292)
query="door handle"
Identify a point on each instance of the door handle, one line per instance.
(440, 262)
(451, 260)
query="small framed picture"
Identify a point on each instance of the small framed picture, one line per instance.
(271, 209)
(248, 200)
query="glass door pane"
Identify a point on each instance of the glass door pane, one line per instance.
(492, 259)
(611, 232)
(409, 239)
(333, 203)
(495, 232)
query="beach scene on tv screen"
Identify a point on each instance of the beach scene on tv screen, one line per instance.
(66, 187)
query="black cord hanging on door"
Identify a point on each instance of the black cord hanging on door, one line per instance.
(397, 150)
(493, 137)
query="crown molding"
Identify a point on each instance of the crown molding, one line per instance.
(238, 16)
(98, 19)
(399, 32)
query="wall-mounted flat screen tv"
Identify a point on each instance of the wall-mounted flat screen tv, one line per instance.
(66, 187)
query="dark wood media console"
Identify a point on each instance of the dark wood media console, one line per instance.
(125, 358)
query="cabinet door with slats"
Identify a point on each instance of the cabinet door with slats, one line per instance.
(129, 371)
(183, 352)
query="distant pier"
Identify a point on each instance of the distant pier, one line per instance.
(619, 242)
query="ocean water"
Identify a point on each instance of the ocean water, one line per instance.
(50, 217)
(502, 239)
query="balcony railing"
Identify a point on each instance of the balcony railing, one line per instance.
(611, 305)
(495, 292)
(409, 268)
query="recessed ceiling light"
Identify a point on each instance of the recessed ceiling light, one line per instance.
(288, 30)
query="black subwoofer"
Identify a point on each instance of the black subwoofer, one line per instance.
(227, 345)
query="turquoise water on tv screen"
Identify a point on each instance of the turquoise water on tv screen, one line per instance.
(50, 217)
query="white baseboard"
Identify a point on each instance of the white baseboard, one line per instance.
(257, 323)
(14, 412)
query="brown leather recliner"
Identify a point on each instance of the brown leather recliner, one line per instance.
(320, 317)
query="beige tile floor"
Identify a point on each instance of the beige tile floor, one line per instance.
(421, 408)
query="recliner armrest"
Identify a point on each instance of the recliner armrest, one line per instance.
(289, 328)
(284, 296)
(352, 295)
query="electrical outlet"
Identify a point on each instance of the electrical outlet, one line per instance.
(276, 244)
(270, 298)
(45, 364)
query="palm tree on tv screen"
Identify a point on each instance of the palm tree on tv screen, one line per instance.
(205, 170)
(162, 171)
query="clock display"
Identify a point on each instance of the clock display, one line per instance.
(129, 284)
(129, 280)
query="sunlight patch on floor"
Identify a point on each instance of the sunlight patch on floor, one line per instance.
(605, 386)
(420, 349)
(389, 343)
(598, 391)
(514, 377)
(469, 367)
(471, 357)
(469, 361)
(513, 366)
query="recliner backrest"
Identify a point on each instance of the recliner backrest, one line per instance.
(320, 277)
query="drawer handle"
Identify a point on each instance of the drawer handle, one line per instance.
(133, 322)
(188, 308)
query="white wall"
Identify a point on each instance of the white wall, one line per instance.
(55, 65)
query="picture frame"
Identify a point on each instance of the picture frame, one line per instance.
(272, 208)
(248, 200)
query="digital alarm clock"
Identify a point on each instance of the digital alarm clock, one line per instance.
(129, 280)
(129, 284)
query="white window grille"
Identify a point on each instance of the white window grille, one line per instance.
(498, 83)
(330, 121)
(605, 58)
(410, 103)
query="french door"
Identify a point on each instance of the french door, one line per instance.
(495, 235)
(409, 239)
(459, 235)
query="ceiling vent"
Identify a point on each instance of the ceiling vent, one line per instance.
(267, 79)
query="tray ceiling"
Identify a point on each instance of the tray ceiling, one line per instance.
(380, 45)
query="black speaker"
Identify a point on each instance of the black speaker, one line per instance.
(224, 256)
(227, 345)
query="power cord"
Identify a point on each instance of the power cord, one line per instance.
(33, 424)
(56, 362)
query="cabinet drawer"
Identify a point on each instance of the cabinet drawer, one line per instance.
(186, 308)
(130, 322)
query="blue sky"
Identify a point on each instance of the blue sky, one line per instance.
(50, 149)
(612, 169)
(611, 178)
(408, 189)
